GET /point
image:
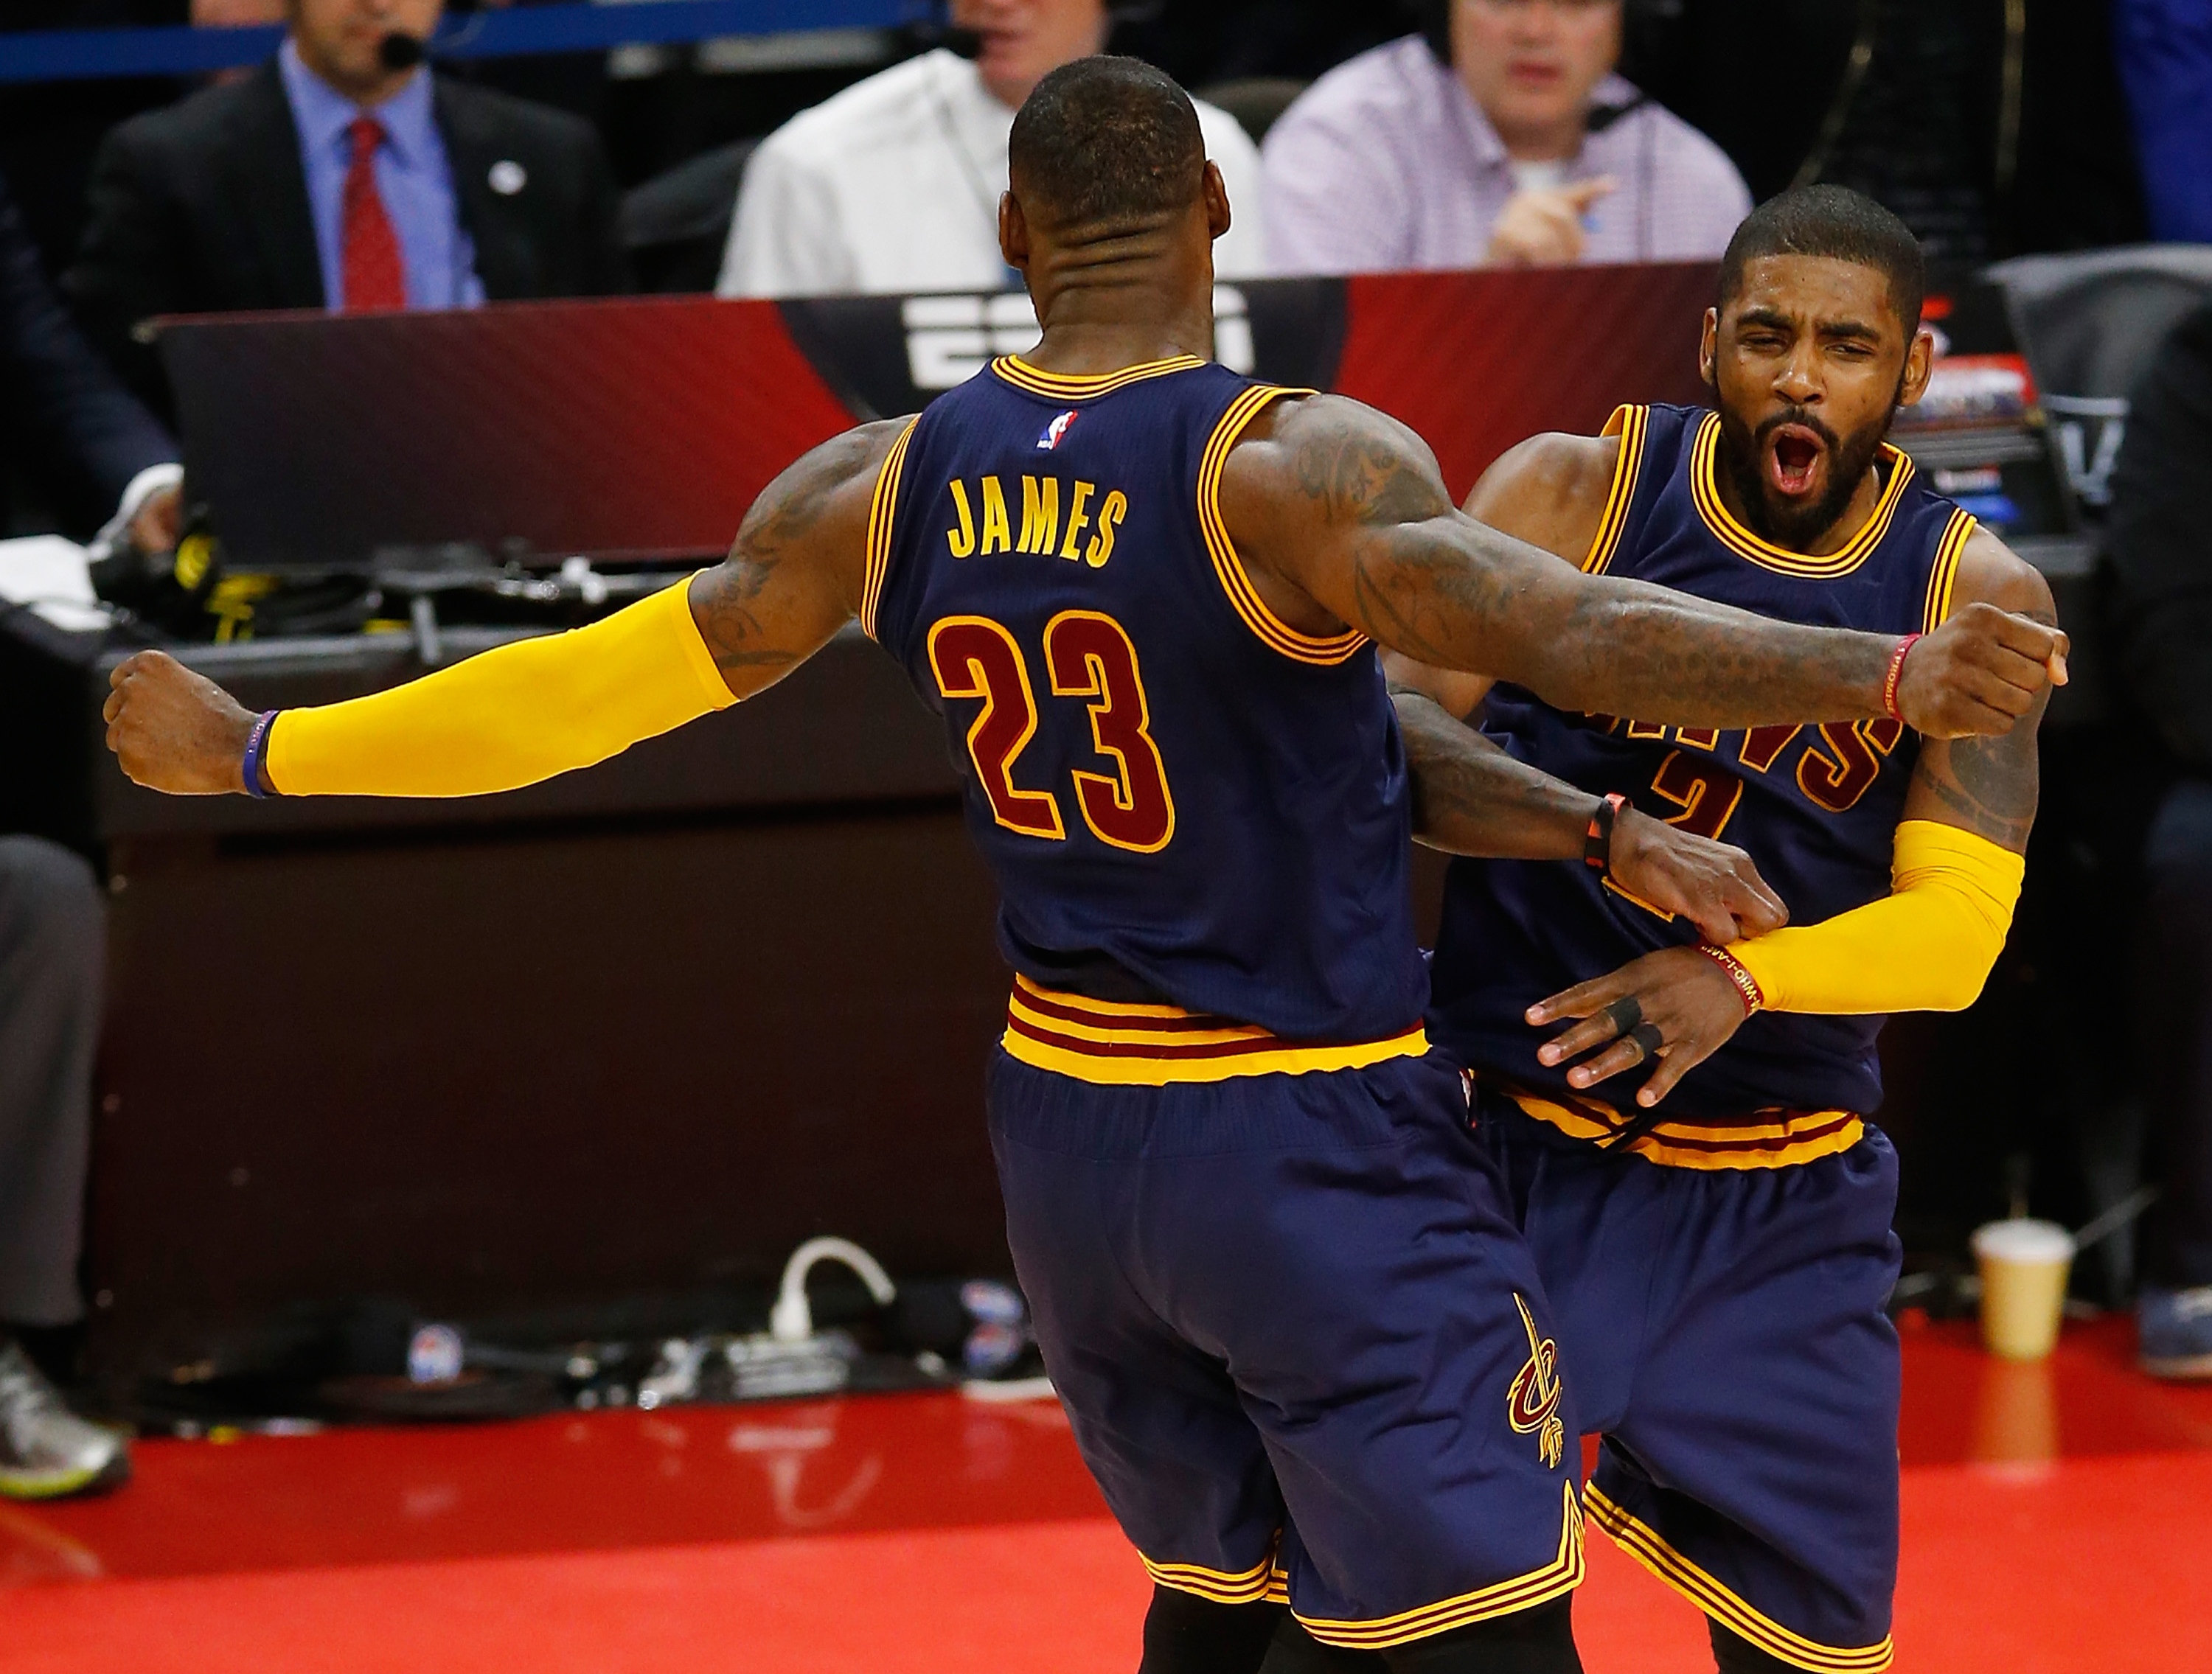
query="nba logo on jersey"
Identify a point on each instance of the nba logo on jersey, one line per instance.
(1055, 431)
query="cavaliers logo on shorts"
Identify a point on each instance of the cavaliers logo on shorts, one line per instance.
(1532, 1405)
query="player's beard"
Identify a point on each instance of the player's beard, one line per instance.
(1850, 457)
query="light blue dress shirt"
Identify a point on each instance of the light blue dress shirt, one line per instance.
(413, 177)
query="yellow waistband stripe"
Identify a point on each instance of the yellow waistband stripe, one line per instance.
(1778, 1140)
(1644, 1543)
(1160, 1046)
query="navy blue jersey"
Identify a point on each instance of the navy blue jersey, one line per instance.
(1181, 797)
(1815, 807)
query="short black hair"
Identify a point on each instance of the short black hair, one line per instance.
(1106, 140)
(1837, 222)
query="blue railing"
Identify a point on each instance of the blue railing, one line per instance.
(78, 55)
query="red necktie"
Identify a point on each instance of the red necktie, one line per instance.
(369, 264)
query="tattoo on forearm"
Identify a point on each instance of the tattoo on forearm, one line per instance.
(788, 512)
(1423, 579)
(1598, 643)
(1471, 798)
(1990, 786)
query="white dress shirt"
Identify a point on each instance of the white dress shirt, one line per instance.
(893, 186)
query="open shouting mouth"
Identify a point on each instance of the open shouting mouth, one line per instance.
(1793, 459)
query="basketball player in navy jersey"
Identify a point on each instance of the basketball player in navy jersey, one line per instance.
(1707, 1206)
(1303, 1348)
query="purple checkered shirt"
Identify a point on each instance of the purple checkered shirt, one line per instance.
(1386, 164)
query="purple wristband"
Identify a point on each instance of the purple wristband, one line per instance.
(256, 752)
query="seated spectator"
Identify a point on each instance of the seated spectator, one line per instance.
(51, 944)
(894, 184)
(1496, 136)
(2162, 555)
(328, 179)
(102, 454)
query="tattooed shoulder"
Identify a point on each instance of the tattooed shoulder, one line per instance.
(757, 613)
(1358, 465)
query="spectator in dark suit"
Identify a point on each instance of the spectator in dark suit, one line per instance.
(100, 454)
(330, 179)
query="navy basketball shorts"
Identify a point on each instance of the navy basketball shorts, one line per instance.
(1303, 1350)
(1724, 1331)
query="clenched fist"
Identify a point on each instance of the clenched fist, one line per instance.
(1978, 673)
(175, 730)
(1714, 885)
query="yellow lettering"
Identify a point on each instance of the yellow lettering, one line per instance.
(1110, 512)
(994, 518)
(1040, 514)
(1078, 518)
(961, 540)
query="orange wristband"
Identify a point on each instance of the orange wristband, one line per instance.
(1896, 673)
(1746, 985)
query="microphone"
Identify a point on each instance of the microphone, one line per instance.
(400, 51)
(1602, 117)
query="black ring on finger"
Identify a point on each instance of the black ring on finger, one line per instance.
(1648, 1039)
(1624, 1014)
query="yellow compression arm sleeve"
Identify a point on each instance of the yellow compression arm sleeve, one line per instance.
(1926, 946)
(511, 716)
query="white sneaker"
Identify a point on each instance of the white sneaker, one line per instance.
(46, 1450)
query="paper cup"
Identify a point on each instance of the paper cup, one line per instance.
(2024, 1265)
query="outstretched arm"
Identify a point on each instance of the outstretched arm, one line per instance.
(1471, 798)
(1342, 518)
(538, 707)
(1928, 945)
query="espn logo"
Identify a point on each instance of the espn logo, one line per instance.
(949, 339)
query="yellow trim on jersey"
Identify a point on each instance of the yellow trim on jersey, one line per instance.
(1787, 1138)
(1115, 1045)
(1630, 423)
(1943, 574)
(1704, 490)
(1327, 650)
(1539, 1587)
(1063, 386)
(881, 508)
(1644, 1543)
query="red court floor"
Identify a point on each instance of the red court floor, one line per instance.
(2057, 1517)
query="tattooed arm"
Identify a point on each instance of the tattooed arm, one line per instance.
(1930, 944)
(536, 708)
(1342, 519)
(1471, 798)
(1988, 785)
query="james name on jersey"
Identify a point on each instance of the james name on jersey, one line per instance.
(984, 525)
